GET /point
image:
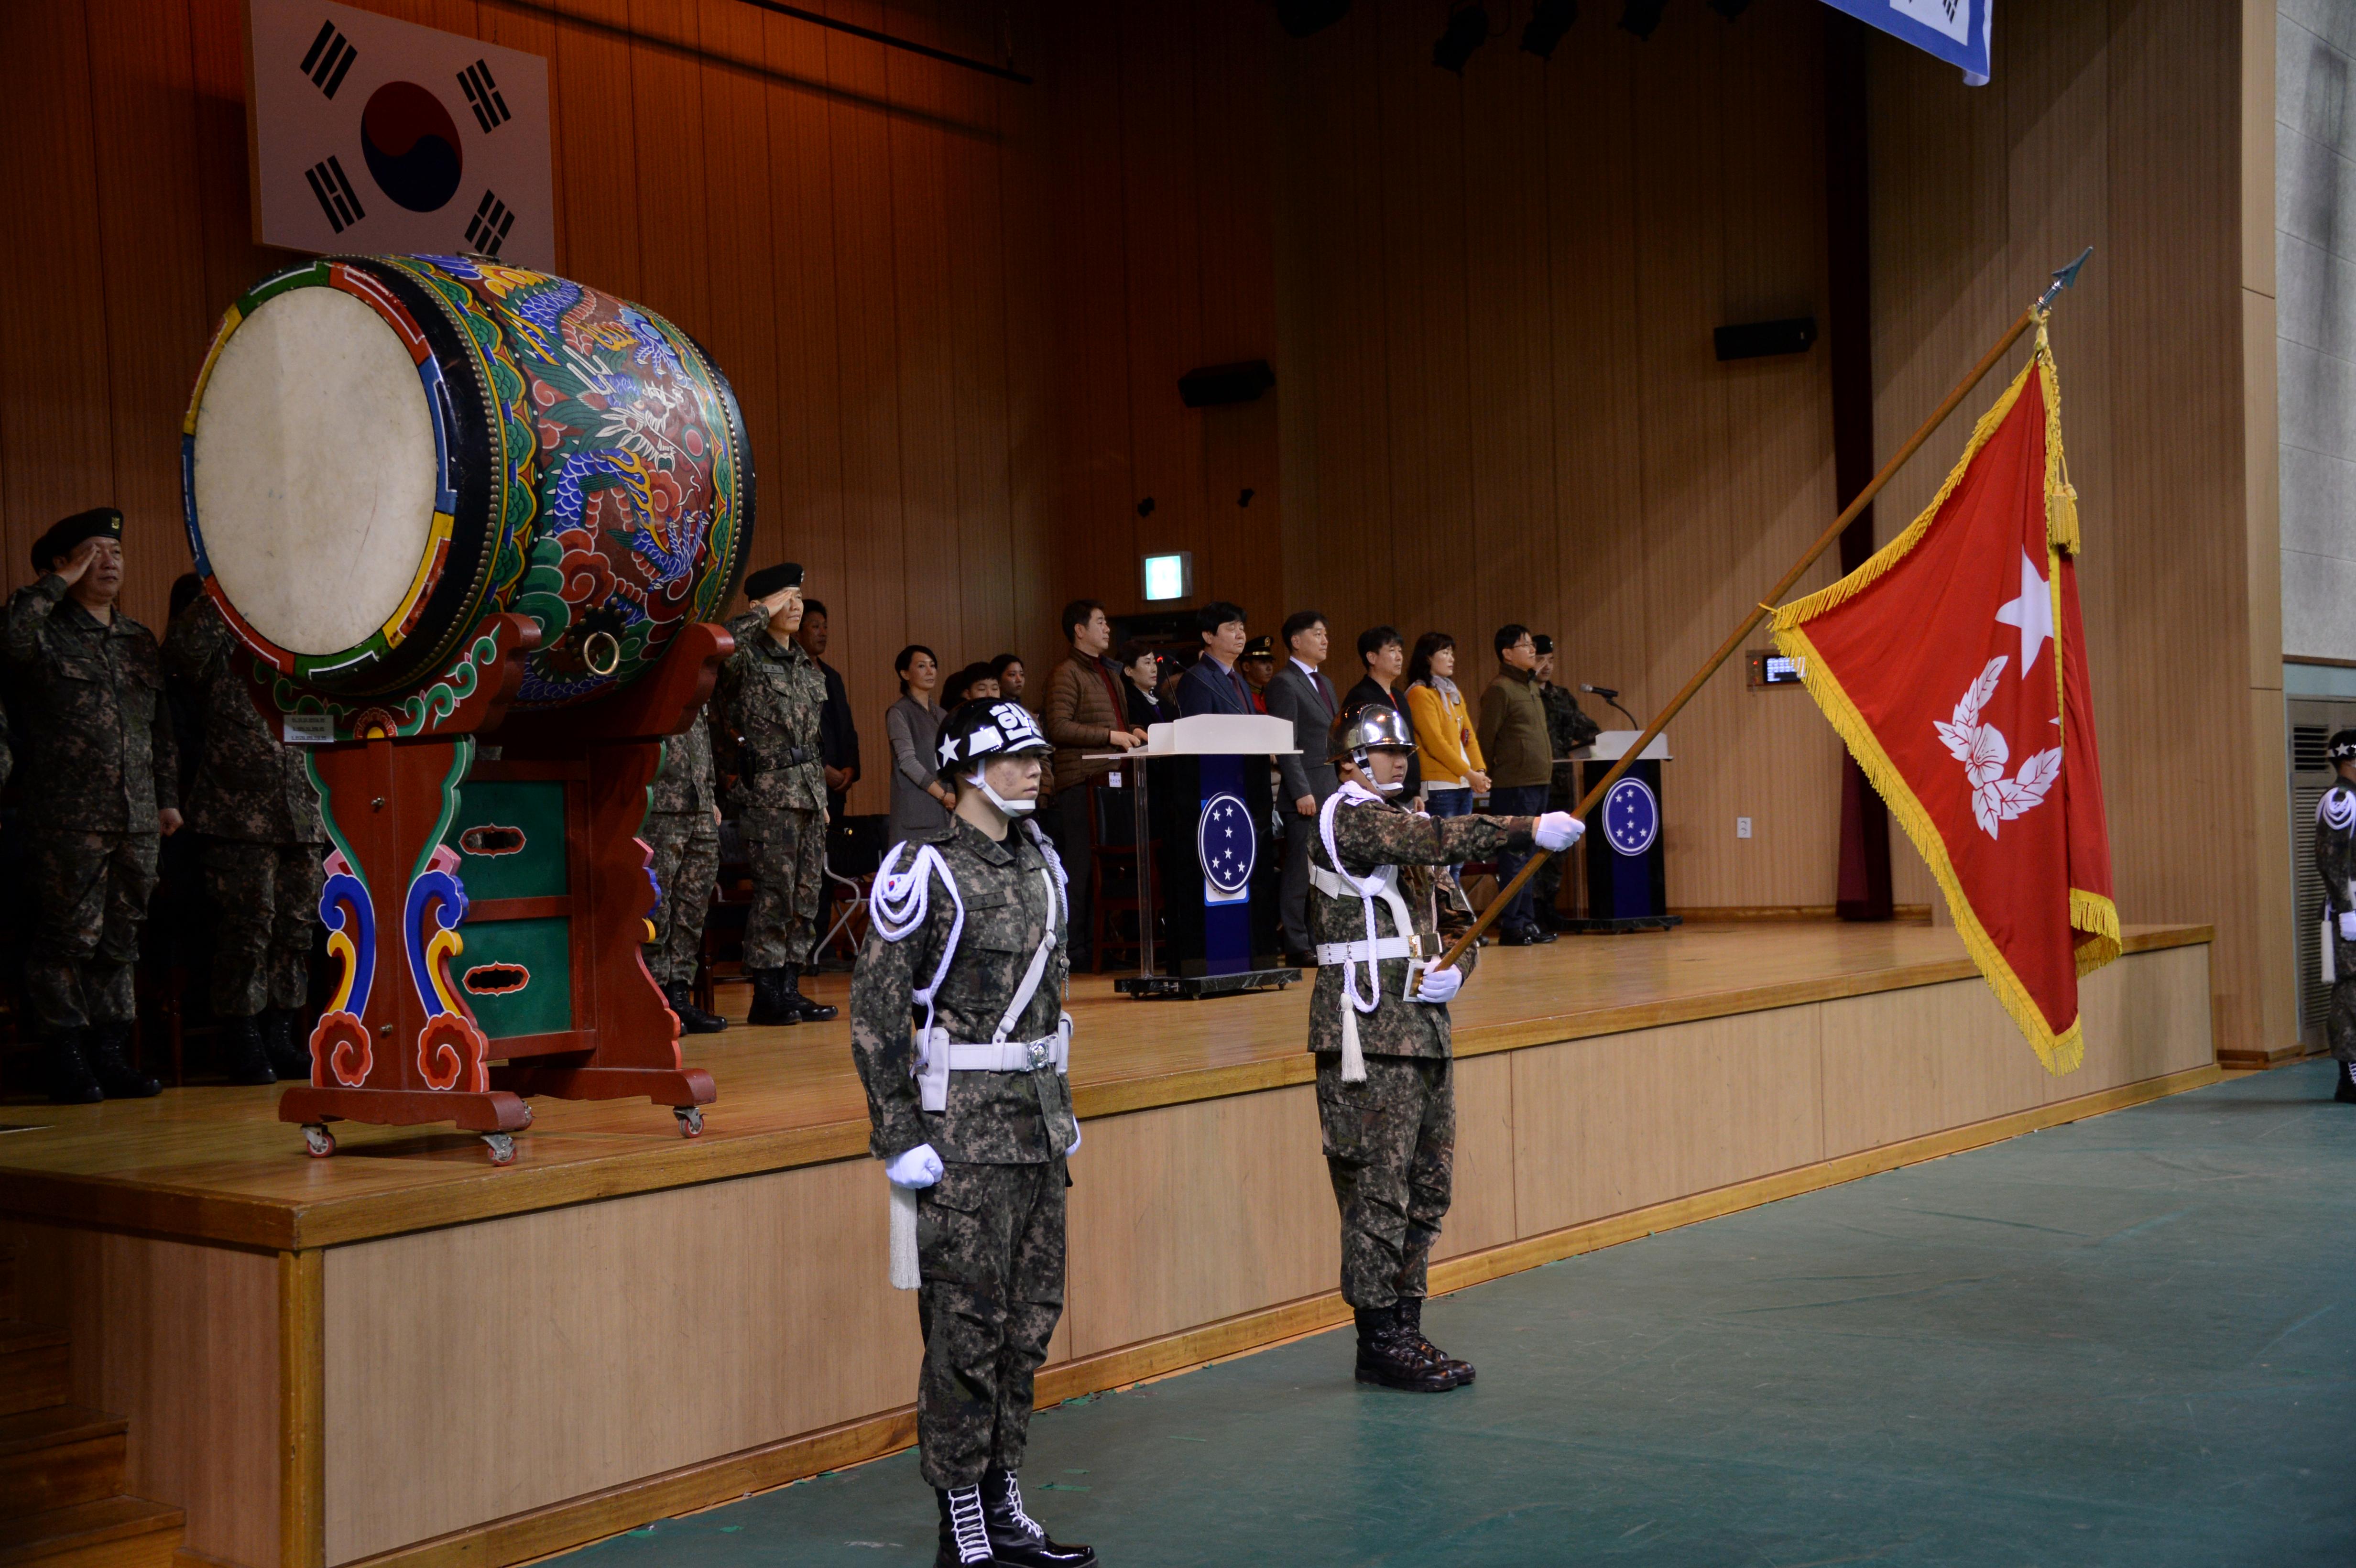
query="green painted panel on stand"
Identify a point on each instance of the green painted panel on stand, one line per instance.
(517, 974)
(511, 839)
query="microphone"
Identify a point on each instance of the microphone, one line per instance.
(1604, 692)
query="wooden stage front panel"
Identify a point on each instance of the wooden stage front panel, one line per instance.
(622, 1305)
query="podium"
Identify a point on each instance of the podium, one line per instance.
(1209, 772)
(1626, 876)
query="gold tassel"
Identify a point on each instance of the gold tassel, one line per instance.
(2062, 517)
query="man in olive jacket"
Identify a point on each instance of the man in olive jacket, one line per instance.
(1084, 712)
(101, 788)
(1513, 731)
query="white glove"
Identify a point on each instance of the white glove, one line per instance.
(919, 1166)
(1558, 831)
(1439, 984)
(1075, 1139)
(2347, 926)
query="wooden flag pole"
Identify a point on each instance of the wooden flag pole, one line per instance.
(2061, 280)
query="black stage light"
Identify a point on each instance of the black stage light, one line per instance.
(1640, 17)
(1468, 29)
(1730, 9)
(1302, 17)
(1549, 20)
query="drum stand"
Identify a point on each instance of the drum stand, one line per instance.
(528, 870)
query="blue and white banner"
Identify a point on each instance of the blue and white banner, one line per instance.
(1955, 31)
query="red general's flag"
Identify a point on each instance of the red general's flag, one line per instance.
(1954, 665)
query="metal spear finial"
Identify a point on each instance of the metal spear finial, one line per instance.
(2063, 278)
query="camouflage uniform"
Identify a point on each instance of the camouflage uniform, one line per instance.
(990, 1233)
(765, 711)
(1568, 728)
(2335, 862)
(680, 830)
(1391, 1141)
(254, 801)
(99, 764)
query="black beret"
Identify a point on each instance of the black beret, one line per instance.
(771, 579)
(1542, 645)
(97, 523)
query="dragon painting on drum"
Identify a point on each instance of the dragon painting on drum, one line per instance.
(457, 437)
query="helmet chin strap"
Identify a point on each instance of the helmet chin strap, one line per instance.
(1364, 762)
(1011, 808)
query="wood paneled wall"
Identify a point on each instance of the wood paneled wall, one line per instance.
(857, 233)
(2116, 127)
(1502, 401)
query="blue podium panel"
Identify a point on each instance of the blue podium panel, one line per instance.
(1227, 850)
(1626, 877)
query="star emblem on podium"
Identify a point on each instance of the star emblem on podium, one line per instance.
(1225, 845)
(1632, 816)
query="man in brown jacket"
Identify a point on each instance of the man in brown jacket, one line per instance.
(1084, 711)
(1513, 732)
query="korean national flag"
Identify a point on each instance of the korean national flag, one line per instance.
(371, 135)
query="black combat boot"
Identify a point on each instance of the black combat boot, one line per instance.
(282, 1042)
(1387, 1355)
(2346, 1093)
(109, 1047)
(810, 1012)
(71, 1083)
(965, 1532)
(771, 1003)
(242, 1056)
(1014, 1536)
(1410, 1312)
(692, 1019)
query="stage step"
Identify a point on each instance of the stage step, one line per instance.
(54, 1457)
(34, 1368)
(114, 1532)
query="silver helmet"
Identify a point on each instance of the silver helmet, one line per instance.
(1374, 727)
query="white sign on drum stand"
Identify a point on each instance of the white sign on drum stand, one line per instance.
(365, 134)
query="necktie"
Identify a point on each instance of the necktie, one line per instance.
(1326, 692)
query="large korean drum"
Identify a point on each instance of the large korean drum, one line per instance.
(382, 451)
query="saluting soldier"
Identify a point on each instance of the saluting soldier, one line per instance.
(973, 1119)
(1378, 1024)
(766, 713)
(2335, 862)
(265, 844)
(101, 788)
(683, 829)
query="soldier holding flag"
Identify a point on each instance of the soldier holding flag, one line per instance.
(2335, 862)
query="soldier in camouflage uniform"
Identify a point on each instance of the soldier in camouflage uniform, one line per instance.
(262, 858)
(2335, 862)
(683, 829)
(1568, 728)
(766, 711)
(1378, 1024)
(101, 788)
(973, 1119)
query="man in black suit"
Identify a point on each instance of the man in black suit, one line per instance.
(1298, 694)
(838, 733)
(1214, 685)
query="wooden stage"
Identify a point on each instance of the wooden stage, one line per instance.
(405, 1353)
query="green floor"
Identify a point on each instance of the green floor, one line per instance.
(2131, 1341)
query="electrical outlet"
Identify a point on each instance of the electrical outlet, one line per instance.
(1742, 828)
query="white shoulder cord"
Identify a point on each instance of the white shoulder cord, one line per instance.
(2335, 813)
(1354, 1061)
(901, 902)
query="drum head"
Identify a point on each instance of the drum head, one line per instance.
(314, 471)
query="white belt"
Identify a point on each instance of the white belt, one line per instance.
(1330, 953)
(1013, 1056)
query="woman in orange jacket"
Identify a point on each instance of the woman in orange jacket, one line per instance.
(1453, 771)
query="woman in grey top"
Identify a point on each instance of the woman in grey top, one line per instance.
(920, 806)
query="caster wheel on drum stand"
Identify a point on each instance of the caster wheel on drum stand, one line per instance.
(317, 1141)
(690, 1120)
(502, 1147)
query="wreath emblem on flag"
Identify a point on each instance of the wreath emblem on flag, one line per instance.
(1983, 752)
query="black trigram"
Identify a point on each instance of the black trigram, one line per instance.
(483, 96)
(331, 54)
(336, 197)
(487, 229)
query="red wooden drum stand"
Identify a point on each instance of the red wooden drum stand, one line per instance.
(488, 914)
